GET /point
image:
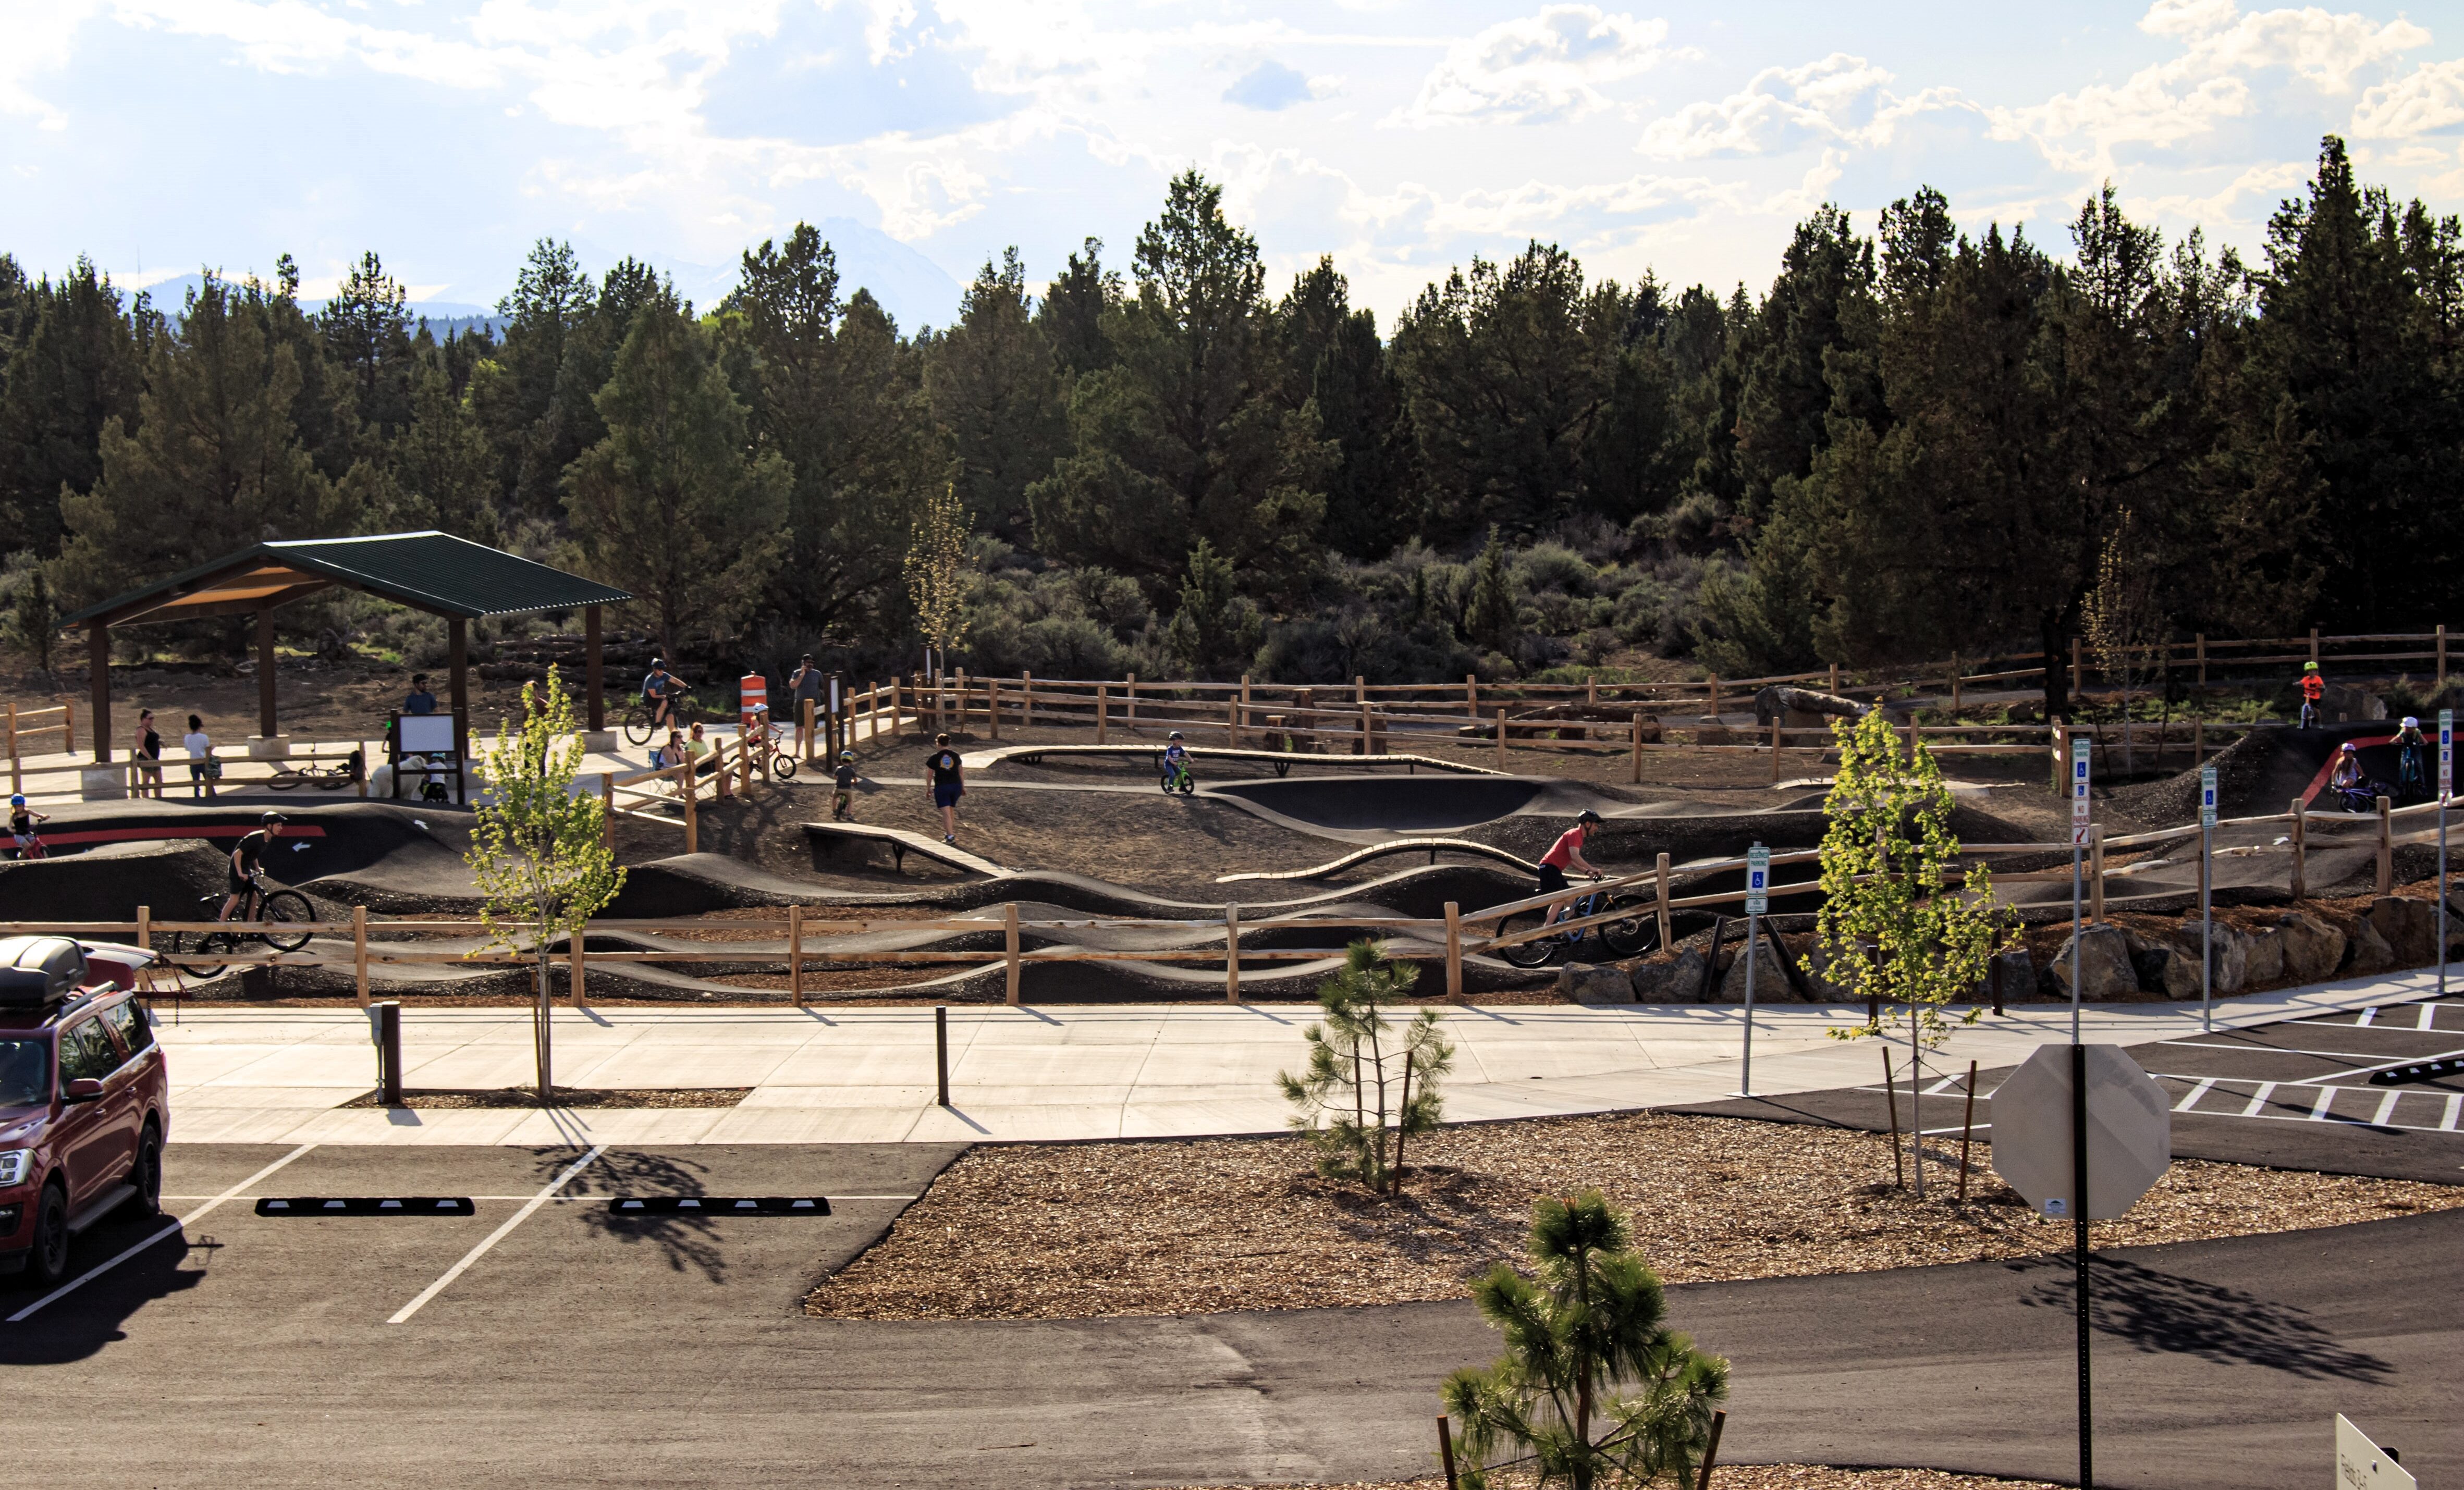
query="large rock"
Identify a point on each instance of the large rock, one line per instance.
(2313, 949)
(1653, 979)
(2410, 927)
(2264, 954)
(1585, 983)
(2101, 956)
(1685, 978)
(2018, 976)
(1819, 983)
(1801, 708)
(2231, 954)
(1770, 980)
(2366, 951)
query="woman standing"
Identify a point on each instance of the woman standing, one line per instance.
(150, 756)
(201, 758)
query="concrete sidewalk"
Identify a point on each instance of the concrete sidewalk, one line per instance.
(1053, 1073)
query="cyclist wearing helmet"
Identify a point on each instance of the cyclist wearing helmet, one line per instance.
(2314, 688)
(843, 796)
(2410, 748)
(21, 827)
(248, 861)
(1176, 758)
(659, 689)
(2348, 776)
(1566, 851)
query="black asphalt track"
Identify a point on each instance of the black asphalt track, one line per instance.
(583, 1350)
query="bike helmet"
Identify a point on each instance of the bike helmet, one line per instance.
(1173, 736)
(18, 801)
(847, 755)
(1588, 816)
(2411, 722)
(272, 819)
(2309, 666)
(2351, 749)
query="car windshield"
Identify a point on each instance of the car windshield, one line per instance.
(25, 1072)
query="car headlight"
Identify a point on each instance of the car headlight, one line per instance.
(14, 1166)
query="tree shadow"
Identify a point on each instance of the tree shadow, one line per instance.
(2166, 1312)
(687, 1243)
(81, 1324)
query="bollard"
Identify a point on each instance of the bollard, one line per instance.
(388, 1033)
(1454, 949)
(1966, 1131)
(942, 1050)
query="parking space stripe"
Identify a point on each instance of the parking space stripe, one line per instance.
(2326, 1100)
(403, 1313)
(2428, 1013)
(2258, 1099)
(2455, 1104)
(2368, 1014)
(2197, 1092)
(172, 1229)
(2387, 1108)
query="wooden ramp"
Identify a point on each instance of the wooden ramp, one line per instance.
(1406, 846)
(862, 843)
(1281, 760)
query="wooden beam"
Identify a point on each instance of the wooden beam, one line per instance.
(212, 603)
(97, 644)
(265, 674)
(457, 634)
(594, 668)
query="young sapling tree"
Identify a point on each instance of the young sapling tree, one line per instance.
(1371, 1075)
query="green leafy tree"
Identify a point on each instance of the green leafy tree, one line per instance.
(1892, 926)
(1593, 1386)
(1217, 629)
(1372, 1082)
(940, 574)
(538, 849)
(670, 505)
(32, 621)
(1334, 362)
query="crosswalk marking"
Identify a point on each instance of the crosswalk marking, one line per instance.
(2197, 1092)
(2429, 1017)
(2326, 1100)
(2258, 1099)
(2386, 1109)
(2368, 1014)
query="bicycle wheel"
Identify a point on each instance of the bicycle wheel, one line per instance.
(637, 726)
(1635, 931)
(285, 781)
(178, 946)
(1539, 952)
(1167, 783)
(291, 907)
(1187, 785)
(783, 765)
(333, 780)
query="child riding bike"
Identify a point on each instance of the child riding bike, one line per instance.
(843, 794)
(21, 827)
(1175, 766)
(2314, 688)
(2413, 779)
(2355, 791)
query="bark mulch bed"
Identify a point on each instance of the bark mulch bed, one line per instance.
(1087, 1230)
(1743, 1477)
(568, 1097)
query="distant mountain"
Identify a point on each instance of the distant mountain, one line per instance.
(443, 317)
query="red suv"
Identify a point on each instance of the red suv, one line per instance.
(84, 1096)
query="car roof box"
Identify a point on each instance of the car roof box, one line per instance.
(37, 971)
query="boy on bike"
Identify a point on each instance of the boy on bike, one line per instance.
(1566, 851)
(248, 861)
(21, 827)
(843, 796)
(949, 785)
(2411, 777)
(1175, 756)
(659, 690)
(2314, 688)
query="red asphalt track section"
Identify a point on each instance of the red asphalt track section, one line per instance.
(2320, 781)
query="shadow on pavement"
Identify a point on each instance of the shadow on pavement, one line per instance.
(2159, 1311)
(687, 1242)
(84, 1322)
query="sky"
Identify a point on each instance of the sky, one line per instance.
(159, 137)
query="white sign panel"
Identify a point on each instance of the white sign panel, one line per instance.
(2207, 797)
(1757, 880)
(2447, 750)
(2129, 1131)
(2079, 791)
(2363, 1465)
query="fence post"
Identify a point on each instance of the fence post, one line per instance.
(795, 954)
(2096, 882)
(1241, 711)
(2386, 853)
(2314, 643)
(576, 955)
(1009, 951)
(1454, 949)
(1501, 740)
(744, 753)
(1367, 740)
(692, 805)
(1666, 939)
(1774, 779)
(1471, 698)
(1633, 771)
(1026, 700)
(2300, 884)
(13, 731)
(1129, 703)
(1714, 708)
(608, 807)
(1232, 952)
(360, 953)
(1101, 699)
(2201, 641)
(68, 721)
(992, 707)
(1954, 688)
(1835, 677)
(1591, 691)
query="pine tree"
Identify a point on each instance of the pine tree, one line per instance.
(995, 390)
(1217, 629)
(1334, 364)
(514, 392)
(1372, 1082)
(1074, 310)
(74, 368)
(367, 335)
(444, 474)
(1493, 619)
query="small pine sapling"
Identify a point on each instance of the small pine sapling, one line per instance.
(1371, 1075)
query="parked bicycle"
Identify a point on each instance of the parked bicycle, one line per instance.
(325, 778)
(684, 712)
(259, 909)
(1632, 934)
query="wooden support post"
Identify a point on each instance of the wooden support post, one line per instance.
(2198, 742)
(145, 928)
(691, 787)
(1454, 949)
(1368, 727)
(594, 672)
(1835, 677)
(1241, 711)
(1713, 708)
(1010, 953)
(1129, 707)
(1954, 688)
(12, 729)
(1712, 1450)
(744, 753)
(1446, 1451)
(1501, 740)
(1232, 952)
(1026, 700)
(1102, 708)
(2386, 853)
(577, 958)
(1634, 751)
(2301, 883)
(1471, 696)
(2096, 873)
(992, 705)
(360, 953)
(97, 641)
(361, 746)
(1592, 692)
(1891, 1089)
(1967, 1130)
(1775, 749)
(1667, 938)
(795, 954)
(2200, 641)
(2314, 643)
(264, 720)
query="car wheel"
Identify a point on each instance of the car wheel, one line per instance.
(146, 1174)
(49, 1261)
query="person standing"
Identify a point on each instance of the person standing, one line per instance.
(949, 785)
(150, 756)
(201, 758)
(419, 700)
(804, 687)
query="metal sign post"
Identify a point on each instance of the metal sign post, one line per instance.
(1758, 904)
(2207, 895)
(2446, 784)
(2079, 842)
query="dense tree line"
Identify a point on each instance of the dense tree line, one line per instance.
(1912, 443)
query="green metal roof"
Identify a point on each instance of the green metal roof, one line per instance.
(434, 572)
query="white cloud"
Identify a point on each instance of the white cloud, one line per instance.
(2429, 98)
(1839, 98)
(2189, 94)
(1536, 69)
(40, 39)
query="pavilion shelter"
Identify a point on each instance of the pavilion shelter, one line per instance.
(432, 572)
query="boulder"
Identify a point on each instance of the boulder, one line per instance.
(2018, 976)
(2313, 949)
(2366, 951)
(2264, 953)
(1770, 980)
(2231, 954)
(1585, 983)
(1819, 983)
(1685, 978)
(2102, 955)
(1653, 979)
(1801, 708)
(1711, 732)
(2409, 927)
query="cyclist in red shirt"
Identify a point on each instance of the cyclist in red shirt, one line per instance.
(2314, 688)
(1566, 851)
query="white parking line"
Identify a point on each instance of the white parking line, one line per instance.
(2197, 1092)
(2428, 1013)
(2258, 1099)
(92, 1273)
(2387, 1108)
(2446, 1125)
(2368, 1014)
(2326, 1100)
(498, 1235)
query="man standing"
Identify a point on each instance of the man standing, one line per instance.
(948, 785)
(419, 700)
(804, 687)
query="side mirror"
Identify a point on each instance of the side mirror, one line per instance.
(85, 1088)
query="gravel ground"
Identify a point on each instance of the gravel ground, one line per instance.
(569, 1097)
(1742, 1476)
(1079, 1231)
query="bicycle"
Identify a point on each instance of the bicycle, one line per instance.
(259, 907)
(2411, 784)
(1631, 935)
(331, 778)
(768, 739)
(1176, 778)
(684, 712)
(2309, 716)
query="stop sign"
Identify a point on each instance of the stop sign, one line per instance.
(2129, 1131)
